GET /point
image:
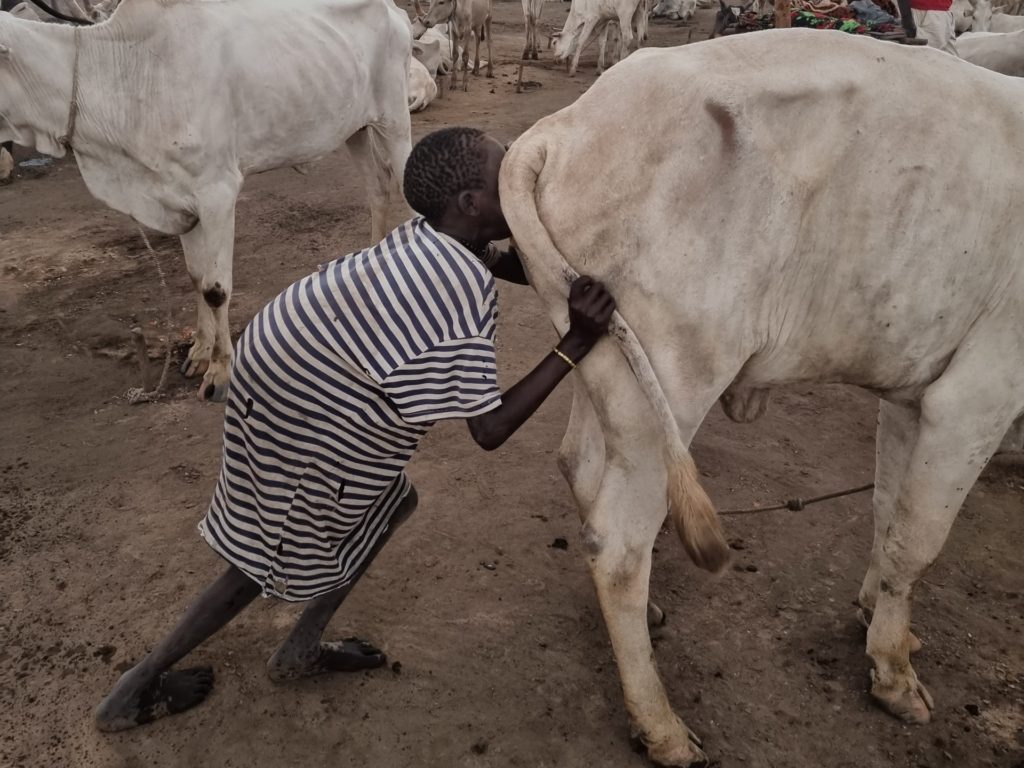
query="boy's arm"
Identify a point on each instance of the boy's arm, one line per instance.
(590, 309)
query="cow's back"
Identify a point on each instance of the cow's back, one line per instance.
(251, 74)
(809, 196)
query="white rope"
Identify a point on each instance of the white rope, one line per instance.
(137, 395)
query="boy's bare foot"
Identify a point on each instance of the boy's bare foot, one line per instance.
(349, 655)
(135, 702)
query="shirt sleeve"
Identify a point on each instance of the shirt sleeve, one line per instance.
(455, 379)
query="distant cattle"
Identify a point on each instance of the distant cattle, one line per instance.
(467, 19)
(589, 17)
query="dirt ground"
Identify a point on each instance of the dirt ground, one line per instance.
(501, 656)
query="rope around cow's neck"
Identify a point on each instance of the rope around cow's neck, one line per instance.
(69, 129)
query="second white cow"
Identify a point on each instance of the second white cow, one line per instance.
(290, 88)
(588, 17)
(746, 251)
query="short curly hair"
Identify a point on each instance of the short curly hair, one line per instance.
(440, 166)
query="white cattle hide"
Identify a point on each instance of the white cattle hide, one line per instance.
(290, 87)
(896, 295)
(586, 17)
(466, 19)
(422, 88)
(999, 51)
(440, 34)
(428, 54)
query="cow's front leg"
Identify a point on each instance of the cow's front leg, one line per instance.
(618, 538)
(208, 252)
(894, 442)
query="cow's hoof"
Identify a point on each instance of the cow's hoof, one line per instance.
(681, 750)
(905, 698)
(687, 755)
(197, 363)
(215, 384)
(7, 180)
(213, 393)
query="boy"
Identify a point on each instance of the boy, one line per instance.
(333, 385)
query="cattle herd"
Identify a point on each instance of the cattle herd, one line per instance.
(917, 297)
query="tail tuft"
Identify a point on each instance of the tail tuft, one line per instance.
(694, 515)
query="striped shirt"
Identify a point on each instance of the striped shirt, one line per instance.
(333, 385)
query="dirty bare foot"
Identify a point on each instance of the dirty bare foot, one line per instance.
(132, 703)
(349, 655)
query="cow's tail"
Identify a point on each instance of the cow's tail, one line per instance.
(693, 513)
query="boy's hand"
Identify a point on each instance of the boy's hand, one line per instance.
(590, 310)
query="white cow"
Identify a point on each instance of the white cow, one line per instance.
(987, 21)
(422, 88)
(439, 33)
(466, 18)
(963, 15)
(290, 87)
(675, 9)
(587, 17)
(531, 13)
(895, 295)
(999, 51)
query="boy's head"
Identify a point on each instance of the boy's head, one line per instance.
(451, 179)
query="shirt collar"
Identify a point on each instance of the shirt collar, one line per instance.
(459, 246)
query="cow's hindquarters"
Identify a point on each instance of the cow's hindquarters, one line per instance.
(622, 503)
(693, 513)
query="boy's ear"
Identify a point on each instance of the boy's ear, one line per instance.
(467, 203)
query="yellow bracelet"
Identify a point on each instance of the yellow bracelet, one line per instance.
(564, 356)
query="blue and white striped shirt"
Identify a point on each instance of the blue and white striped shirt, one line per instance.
(333, 385)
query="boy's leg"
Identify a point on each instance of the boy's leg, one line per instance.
(304, 653)
(149, 689)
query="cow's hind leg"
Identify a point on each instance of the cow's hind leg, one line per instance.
(963, 417)
(209, 248)
(581, 461)
(618, 538)
(895, 438)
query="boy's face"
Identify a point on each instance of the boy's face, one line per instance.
(483, 205)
